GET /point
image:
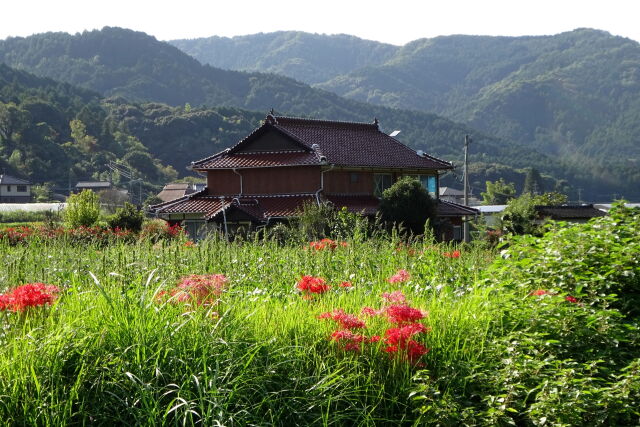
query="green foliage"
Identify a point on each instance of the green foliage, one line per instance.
(599, 260)
(498, 193)
(519, 217)
(409, 204)
(83, 209)
(127, 218)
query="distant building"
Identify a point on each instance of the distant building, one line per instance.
(92, 185)
(176, 190)
(456, 196)
(575, 213)
(14, 190)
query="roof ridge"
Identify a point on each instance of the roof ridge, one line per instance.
(324, 121)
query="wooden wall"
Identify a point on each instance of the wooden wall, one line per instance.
(285, 180)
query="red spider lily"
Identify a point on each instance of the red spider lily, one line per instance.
(454, 254)
(571, 299)
(400, 276)
(348, 341)
(312, 285)
(345, 320)
(539, 292)
(368, 311)
(396, 297)
(401, 340)
(326, 244)
(402, 314)
(29, 295)
(346, 285)
(202, 289)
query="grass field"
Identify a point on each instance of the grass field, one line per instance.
(116, 348)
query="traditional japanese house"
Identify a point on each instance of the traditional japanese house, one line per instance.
(287, 162)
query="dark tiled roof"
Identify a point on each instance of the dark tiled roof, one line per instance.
(12, 180)
(366, 205)
(569, 212)
(326, 142)
(446, 208)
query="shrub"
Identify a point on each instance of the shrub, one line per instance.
(407, 202)
(159, 229)
(127, 218)
(83, 209)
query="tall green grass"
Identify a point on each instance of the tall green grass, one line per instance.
(108, 352)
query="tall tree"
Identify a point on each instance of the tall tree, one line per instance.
(498, 192)
(533, 183)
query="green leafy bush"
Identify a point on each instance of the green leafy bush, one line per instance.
(83, 209)
(599, 260)
(127, 218)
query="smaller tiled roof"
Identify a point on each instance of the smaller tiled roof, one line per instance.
(260, 160)
(366, 205)
(175, 191)
(566, 212)
(446, 208)
(12, 180)
(260, 207)
(93, 184)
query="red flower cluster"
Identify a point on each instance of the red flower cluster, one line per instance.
(541, 292)
(326, 244)
(396, 297)
(310, 285)
(399, 277)
(399, 339)
(454, 254)
(29, 295)
(403, 247)
(80, 234)
(538, 292)
(201, 289)
(345, 320)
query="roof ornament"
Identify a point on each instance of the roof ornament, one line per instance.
(271, 118)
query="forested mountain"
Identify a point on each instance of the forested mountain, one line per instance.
(575, 96)
(138, 68)
(309, 58)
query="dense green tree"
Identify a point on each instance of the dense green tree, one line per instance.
(409, 204)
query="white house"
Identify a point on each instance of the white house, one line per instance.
(14, 190)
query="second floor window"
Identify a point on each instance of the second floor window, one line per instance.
(8, 189)
(22, 189)
(381, 181)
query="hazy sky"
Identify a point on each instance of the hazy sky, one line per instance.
(392, 21)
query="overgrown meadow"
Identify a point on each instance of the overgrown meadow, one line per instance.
(541, 331)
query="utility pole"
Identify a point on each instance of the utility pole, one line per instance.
(465, 220)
